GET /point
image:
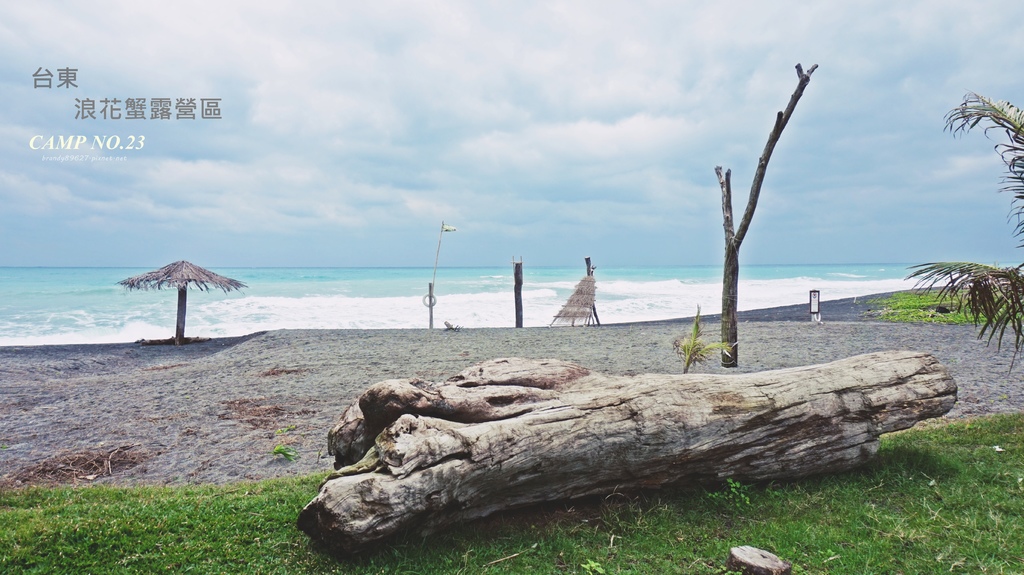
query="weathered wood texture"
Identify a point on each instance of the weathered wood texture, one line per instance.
(512, 432)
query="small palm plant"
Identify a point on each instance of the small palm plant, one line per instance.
(693, 349)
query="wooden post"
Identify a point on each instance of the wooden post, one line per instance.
(593, 308)
(517, 274)
(430, 303)
(179, 330)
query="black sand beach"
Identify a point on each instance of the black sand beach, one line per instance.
(213, 412)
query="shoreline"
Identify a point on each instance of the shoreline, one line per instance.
(213, 412)
(845, 309)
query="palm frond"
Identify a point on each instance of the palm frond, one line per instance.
(976, 108)
(181, 275)
(692, 349)
(1003, 116)
(992, 296)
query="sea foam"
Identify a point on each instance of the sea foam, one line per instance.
(54, 310)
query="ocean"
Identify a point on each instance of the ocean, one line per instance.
(40, 306)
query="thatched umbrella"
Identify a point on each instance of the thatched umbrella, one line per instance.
(181, 275)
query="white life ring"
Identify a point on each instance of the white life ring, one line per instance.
(430, 300)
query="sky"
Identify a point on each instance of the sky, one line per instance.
(547, 131)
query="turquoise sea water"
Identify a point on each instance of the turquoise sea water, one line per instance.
(86, 305)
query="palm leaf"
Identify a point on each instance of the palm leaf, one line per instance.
(692, 349)
(990, 295)
(1003, 116)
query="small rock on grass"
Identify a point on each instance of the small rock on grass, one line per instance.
(753, 561)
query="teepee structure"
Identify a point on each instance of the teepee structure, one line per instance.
(580, 308)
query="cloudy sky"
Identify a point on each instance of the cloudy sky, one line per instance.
(549, 130)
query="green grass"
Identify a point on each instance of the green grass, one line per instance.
(918, 306)
(936, 500)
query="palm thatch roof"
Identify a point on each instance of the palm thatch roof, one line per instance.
(579, 310)
(181, 275)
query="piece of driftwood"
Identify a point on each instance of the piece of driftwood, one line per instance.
(506, 433)
(753, 561)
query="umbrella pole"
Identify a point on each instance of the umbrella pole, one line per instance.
(179, 330)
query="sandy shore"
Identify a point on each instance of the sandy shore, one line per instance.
(213, 412)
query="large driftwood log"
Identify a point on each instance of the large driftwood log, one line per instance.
(507, 433)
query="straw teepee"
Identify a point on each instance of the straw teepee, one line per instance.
(181, 275)
(580, 309)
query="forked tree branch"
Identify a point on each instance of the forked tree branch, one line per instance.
(781, 119)
(726, 184)
(734, 237)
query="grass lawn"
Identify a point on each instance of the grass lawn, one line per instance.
(919, 306)
(939, 499)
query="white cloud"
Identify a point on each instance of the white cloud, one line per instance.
(600, 118)
(589, 142)
(25, 197)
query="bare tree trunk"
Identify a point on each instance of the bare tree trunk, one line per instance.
(421, 456)
(734, 237)
(730, 292)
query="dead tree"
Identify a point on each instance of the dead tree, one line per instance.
(734, 237)
(419, 456)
